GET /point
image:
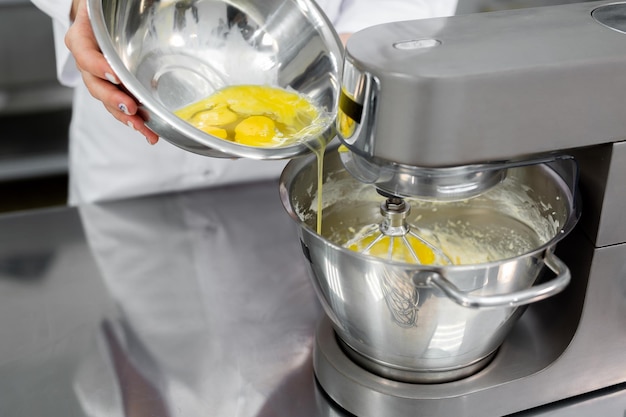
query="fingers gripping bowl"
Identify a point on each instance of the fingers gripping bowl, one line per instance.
(170, 54)
(433, 323)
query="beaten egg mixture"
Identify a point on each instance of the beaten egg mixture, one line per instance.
(394, 248)
(255, 115)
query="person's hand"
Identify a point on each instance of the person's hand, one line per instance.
(97, 74)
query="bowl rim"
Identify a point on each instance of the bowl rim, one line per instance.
(291, 170)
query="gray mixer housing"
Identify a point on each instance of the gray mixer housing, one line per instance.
(489, 86)
(493, 87)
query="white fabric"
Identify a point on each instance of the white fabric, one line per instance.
(59, 11)
(349, 16)
(109, 160)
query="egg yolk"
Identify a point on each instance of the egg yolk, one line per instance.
(216, 131)
(395, 248)
(255, 115)
(255, 131)
(217, 116)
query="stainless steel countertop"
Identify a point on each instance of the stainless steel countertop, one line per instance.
(193, 304)
(190, 304)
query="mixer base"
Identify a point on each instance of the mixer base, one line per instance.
(347, 378)
(412, 376)
(509, 384)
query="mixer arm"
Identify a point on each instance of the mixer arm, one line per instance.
(527, 296)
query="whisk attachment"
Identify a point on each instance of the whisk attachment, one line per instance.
(394, 211)
(395, 239)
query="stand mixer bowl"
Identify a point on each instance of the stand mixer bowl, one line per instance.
(431, 323)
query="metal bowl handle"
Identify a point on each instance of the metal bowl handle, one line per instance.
(528, 296)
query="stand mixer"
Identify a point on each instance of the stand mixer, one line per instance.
(445, 110)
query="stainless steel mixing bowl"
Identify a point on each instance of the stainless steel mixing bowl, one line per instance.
(168, 54)
(421, 323)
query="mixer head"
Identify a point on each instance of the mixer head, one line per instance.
(441, 108)
(396, 178)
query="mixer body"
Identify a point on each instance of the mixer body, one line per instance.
(443, 108)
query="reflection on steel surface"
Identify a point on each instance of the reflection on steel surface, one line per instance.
(401, 297)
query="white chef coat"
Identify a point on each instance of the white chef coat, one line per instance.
(108, 160)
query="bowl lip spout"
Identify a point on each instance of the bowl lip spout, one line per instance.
(204, 143)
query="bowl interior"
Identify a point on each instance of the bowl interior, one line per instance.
(532, 209)
(172, 53)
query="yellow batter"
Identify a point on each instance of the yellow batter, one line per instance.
(394, 248)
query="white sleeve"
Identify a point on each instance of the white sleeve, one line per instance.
(59, 11)
(358, 14)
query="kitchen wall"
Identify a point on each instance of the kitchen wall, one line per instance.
(35, 112)
(34, 108)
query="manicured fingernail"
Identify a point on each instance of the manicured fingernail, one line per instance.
(123, 108)
(130, 124)
(111, 78)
